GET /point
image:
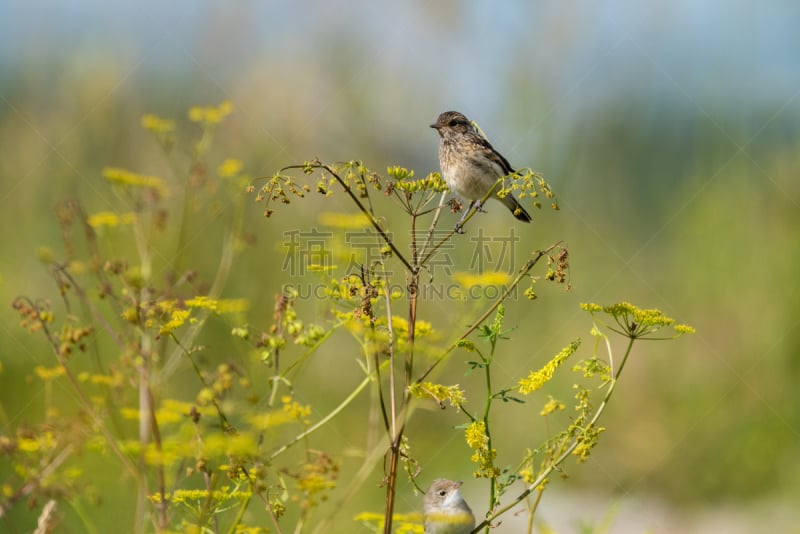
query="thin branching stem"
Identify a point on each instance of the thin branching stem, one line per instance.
(322, 422)
(436, 213)
(223, 419)
(570, 439)
(89, 408)
(487, 408)
(62, 270)
(452, 232)
(330, 170)
(485, 315)
(156, 433)
(33, 483)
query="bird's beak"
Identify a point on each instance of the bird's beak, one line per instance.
(435, 126)
(458, 484)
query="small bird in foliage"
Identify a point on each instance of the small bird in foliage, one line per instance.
(470, 164)
(446, 511)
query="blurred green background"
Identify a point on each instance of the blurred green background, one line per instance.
(669, 132)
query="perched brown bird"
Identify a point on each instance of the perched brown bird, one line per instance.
(470, 164)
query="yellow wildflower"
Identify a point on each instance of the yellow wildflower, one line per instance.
(210, 115)
(537, 379)
(49, 373)
(439, 393)
(295, 410)
(347, 221)
(157, 125)
(476, 435)
(489, 278)
(109, 218)
(551, 406)
(229, 168)
(178, 317)
(132, 179)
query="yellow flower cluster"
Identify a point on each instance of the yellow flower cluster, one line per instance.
(157, 125)
(439, 393)
(432, 182)
(399, 173)
(586, 441)
(484, 456)
(346, 221)
(295, 410)
(109, 218)
(551, 406)
(230, 168)
(637, 322)
(400, 326)
(179, 316)
(201, 495)
(318, 476)
(644, 317)
(210, 115)
(476, 435)
(131, 179)
(114, 379)
(49, 373)
(313, 482)
(528, 183)
(402, 523)
(40, 442)
(219, 305)
(489, 278)
(539, 378)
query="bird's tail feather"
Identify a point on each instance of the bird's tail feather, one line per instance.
(516, 208)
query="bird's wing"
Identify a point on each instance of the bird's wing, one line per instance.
(493, 155)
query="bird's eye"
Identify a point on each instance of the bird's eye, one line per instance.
(442, 493)
(453, 123)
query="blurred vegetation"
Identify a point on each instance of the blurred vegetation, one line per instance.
(690, 204)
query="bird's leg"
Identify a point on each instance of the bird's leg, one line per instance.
(458, 229)
(479, 206)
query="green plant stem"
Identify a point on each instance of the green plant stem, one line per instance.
(437, 212)
(534, 506)
(211, 484)
(223, 419)
(239, 514)
(276, 379)
(156, 433)
(224, 266)
(489, 395)
(322, 422)
(61, 270)
(33, 483)
(390, 422)
(228, 252)
(499, 300)
(85, 517)
(397, 440)
(89, 409)
(566, 452)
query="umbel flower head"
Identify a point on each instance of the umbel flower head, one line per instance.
(635, 322)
